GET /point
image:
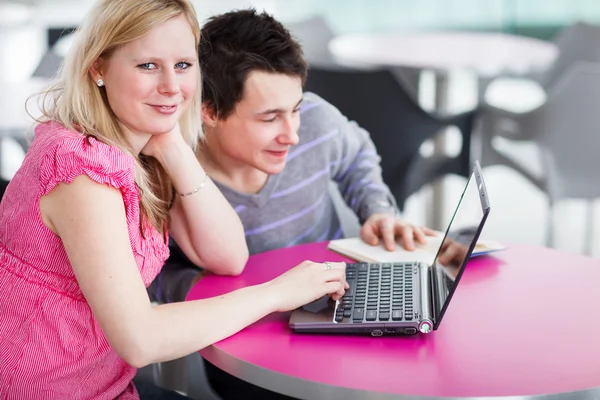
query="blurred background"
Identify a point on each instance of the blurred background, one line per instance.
(438, 83)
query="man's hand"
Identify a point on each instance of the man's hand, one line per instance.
(389, 229)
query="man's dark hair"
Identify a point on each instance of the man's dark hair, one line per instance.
(238, 42)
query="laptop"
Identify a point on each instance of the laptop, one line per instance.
(408, 297)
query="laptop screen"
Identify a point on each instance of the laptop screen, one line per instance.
(460, 239)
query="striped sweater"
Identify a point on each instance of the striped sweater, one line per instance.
(295, 206)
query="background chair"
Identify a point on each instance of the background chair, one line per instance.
(314, 34)
(186, 375)
(48, 66)
(565, 129)
(577, 42)
(397, 125)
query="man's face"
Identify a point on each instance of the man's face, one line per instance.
(264, 124)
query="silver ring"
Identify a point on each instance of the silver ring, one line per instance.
(328, 265)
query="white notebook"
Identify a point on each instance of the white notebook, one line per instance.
(357, 249)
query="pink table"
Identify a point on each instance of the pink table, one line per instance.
(522, 323)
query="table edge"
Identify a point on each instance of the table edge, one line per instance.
(305, 389)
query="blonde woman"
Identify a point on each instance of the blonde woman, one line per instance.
(84, 222)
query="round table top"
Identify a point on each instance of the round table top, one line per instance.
(487, 54)
(521, 323)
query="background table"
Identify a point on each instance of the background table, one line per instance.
(522, 323)
(484, 54)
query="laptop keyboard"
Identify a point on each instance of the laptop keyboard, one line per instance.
(378, 292)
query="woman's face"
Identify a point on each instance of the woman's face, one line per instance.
(151, 81)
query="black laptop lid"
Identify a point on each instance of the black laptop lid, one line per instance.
(460, 239)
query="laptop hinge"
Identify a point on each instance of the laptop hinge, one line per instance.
(426, 322)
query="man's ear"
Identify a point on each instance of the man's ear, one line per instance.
(209, 115)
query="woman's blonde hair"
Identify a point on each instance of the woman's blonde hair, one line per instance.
(79, 104)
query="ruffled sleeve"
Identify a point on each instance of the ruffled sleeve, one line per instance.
(64, 155)
(72, 154)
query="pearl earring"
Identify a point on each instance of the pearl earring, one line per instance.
(100, 82)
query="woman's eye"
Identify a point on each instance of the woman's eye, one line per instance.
(183, 65)
(147, 66)
(270, 120)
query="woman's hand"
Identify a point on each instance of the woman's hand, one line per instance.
(308, 282)
(160, 146)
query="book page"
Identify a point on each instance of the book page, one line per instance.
(357, 249)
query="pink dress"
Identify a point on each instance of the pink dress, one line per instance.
(51, 346)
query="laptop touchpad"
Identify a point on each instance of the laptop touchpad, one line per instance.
(319, 305)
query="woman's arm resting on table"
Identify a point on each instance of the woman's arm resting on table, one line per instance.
(90, 220)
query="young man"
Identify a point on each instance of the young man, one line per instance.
(273, 150)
